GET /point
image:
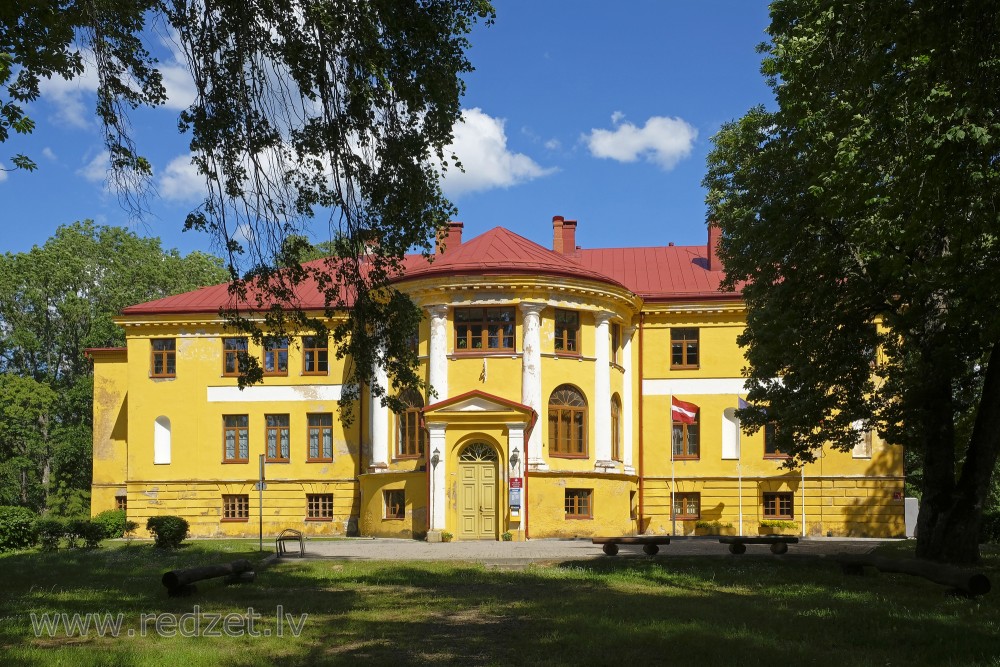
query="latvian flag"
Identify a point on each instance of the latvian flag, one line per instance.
(681, 411)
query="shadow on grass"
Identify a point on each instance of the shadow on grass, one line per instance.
(679, 611)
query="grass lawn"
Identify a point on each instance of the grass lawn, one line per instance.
(673, 611)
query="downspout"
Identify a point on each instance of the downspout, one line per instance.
(361, 461)
(642, 319)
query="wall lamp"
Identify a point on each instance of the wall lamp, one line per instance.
(435, 457)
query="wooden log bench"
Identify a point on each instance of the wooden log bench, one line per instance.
(738, 543)
(289, 535)
(650, 543)
(181, 582)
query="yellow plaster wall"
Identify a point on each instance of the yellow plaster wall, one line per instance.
(610, 505)
(373, 521)
(110, 470)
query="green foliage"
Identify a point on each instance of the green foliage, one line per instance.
(17, 528)
(869, 196)
(446, 536)
(50, 533)
(990, 531)
(113, 523)
(168, 531)
(130, 528)
(778, 524)
(507, 536)
(712, 524)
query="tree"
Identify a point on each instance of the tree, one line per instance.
(861, 220)
(330, 110)
(56, 301)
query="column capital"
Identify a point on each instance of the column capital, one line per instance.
(602, 317)
(529, 308)
(439, 310)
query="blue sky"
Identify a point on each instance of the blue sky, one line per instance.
(601, 112)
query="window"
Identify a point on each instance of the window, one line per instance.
(235, 507)
(276, 356)
(410, 436)
(616, 343)
(315, 356)
(567, 422)
(320, 437)
(236, 438)
(683, 348)
(862, 450)
(687, 506)
(686, 441)
(277, 438)
(578, 504)
(319, 506)
(567, 332)
(161, 440)
(771, 448)
(164, 358)
(234, 352)
(778, 506)
(616, 428)
(488, 329)
(121, 503)
(413, 342)
(395, 504)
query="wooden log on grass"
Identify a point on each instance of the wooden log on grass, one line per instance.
(967, 582)
(179, 578)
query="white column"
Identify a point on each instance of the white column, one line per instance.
(602, 391)
(436, 443)
(531, 380)
(438, 362)
(378, 417)
(628, 437)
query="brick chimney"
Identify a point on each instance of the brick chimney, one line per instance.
(449, 237)
(557, 233)
(714, 236)
(563, 235)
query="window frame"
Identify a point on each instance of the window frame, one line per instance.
(686, 454)
(776, 497)
(387, 505)
(569, 335)
(278, 429)
(319, 438)
(235, 507)
(233, 353)
(683, 496)
(571, 501)
(237, 429)
(414, 413)
(321, 355)
(167, 357)
(271, 347)
(769, 430)
(484, 336)
(319, 507)
(685, 364)
(558, 410)
(616, 343)
(121, 503)
(616, 428)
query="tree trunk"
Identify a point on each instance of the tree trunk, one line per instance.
(954, 521)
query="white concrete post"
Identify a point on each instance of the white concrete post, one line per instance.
(628, 437)
(602, 391)
(436, 443)
(438, 361)
(531, 380)
(379, 424)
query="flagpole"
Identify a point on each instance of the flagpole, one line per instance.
(739, 467)
(673, 479)
(803, 485)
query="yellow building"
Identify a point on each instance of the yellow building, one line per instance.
(554, 371)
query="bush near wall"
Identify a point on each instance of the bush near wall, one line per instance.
(168, 531)
(113, 523)
(17, 528)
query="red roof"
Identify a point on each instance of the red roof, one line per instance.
(664, 273)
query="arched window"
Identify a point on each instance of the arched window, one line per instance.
(161, 440)
(411, 436)
(616, 428)
(567, 422)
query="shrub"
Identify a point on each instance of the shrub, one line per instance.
(989, 533)
(74, 532)
(113, 522)
(168, 531)
(17, 528)
(777, 523)
(507, 537)
(130, 528)
(50, 532)
(91, 533)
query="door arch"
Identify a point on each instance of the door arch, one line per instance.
(478, 509)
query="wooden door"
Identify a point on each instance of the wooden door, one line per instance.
(477, 497)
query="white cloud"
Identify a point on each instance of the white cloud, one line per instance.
(3, 173)
(68, 96)
(663, 141)
(177, 79)
(49, 154)
(553, 144)
(181, 181)
(96, 171)
(480, 144)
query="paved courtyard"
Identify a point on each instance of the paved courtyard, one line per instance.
(559, 550)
